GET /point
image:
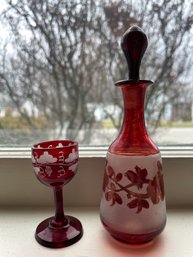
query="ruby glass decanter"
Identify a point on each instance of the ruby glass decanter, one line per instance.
(133, 204)
(55, 163)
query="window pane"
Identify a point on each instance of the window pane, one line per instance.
(59, 60)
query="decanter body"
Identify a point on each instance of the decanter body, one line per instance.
(133, 203)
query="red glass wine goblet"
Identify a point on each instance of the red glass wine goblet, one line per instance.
(55, 163)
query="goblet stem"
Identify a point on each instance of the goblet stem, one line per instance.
(59, 221)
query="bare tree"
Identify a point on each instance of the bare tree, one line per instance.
(169, 55)
(65, 55)
(56, 51)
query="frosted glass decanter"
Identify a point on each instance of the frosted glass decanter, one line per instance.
(133, 205)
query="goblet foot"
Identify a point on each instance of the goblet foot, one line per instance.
(59, 237)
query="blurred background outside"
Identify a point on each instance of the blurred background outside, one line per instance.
(59, 60)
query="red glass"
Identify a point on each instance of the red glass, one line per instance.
(55, 163)
(133, 206)
(133, 138)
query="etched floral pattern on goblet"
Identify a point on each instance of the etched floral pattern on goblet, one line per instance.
(55, 163)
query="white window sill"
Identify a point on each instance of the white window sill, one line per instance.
(98, 151)
(18, 227)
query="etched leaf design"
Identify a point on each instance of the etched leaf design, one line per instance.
(114, 197)
(105, 182)
(139, 204)
(118, 198)
(161, 180)
(108, 196)
(142, 173)
(133, 204)
(155, 188)
(151, 189)
(110, 171)
(131, 176)
(138, 178)
(119, 177)
(112, 186)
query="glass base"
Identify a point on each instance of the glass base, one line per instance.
(133, 238)
(59, 237)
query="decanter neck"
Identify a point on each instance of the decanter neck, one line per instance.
(133, 137)
(133, 127)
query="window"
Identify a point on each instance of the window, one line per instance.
(60, 59)
(58, 63)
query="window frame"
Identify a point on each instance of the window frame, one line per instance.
(96, 151)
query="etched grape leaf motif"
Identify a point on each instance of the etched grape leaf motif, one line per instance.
(111, 195)
(153, 189)
(139, 204)
(156, 187)
(137, 177)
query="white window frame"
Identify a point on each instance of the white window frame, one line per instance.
(97, 151)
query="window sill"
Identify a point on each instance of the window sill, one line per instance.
(97, 151)
(18, 226)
